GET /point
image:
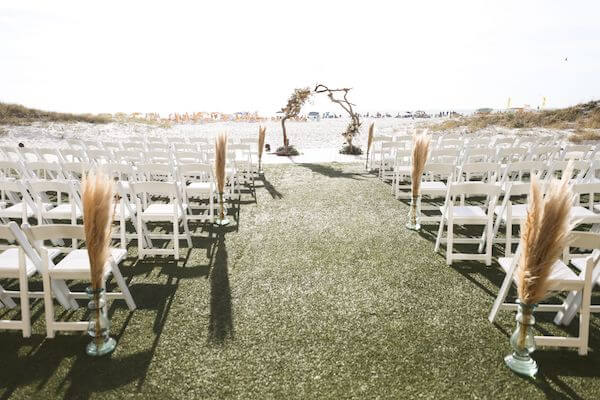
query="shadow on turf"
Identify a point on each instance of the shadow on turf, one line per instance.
(330, 172)
(220, 325)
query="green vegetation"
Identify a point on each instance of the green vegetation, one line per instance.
(320, 292)
(16, 114)
(581, 116)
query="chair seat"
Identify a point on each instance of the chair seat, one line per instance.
(584, 215)
(206, 186)
(16, 211)
(76, 265)
(9, 263)
(62, 211)
(467, 212)
(518, 212)
(403, 169)
(433, 187)
(126, 214)
(160, 212)
(561, 277)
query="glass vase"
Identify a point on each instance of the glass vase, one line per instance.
(221, 220)
(99, 325)
(414, 213)
(522, 342)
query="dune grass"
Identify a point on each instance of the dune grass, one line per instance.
(580, 116)
(16, 114)
(318, 292)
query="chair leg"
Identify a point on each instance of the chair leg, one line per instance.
(122, 285)
(439, 235)
(25, 310)
(501, 296)
(449, 244)
(176, 237)
(489, 244)
(8, 302)
(48, 306)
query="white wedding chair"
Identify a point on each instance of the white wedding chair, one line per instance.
(74, 266)
(45, 170)
(16, 202)
(57, 208)
(150, 207)
(434, 185)
(562, 279)
(198, 185)
(479, 214)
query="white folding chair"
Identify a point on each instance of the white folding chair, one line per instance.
(58, 208)
(150, 208)
(75, 170)
(16, 202)
(45, 170)
(562, 279)
(434, 185)
(480, 214)
(198, 185)
(15, 265)
(74, 266)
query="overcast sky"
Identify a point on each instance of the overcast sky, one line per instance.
(108, 56)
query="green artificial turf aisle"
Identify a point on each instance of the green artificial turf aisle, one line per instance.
(321, 293)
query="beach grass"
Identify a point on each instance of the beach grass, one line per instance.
(580, 116)
(16, 114)
(315, 291)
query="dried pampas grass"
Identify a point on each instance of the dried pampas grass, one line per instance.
(370, 137)
(98, 211)
(262, 130)
(370, 141)
(418, 160)
(220, 160)
(545, 235)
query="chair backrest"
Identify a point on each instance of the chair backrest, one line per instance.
(519, 169)
(556, 168)
(544, 153)
(49, 154)
(488, 171)
(12, 169)
(130, 156)
(446, 155)
(45, 170)
(188, 147)
(113, 146)
(59, 187)
(75, 170)
(578, 152)
(155, 172)
(504, 141)
(197, 172)
(588, 188)
(433, 170)
(73, 155)
(11, 153)
(157, 156)
(42, 233)
(158, 147)
(186, 157)
(473, 188)
(157, 188)
(131, 146)
(511, 154)
(100, 155)
(198, 139)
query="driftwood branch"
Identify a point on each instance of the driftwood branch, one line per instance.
(353, 127)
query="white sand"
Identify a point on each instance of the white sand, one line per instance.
(318, 141)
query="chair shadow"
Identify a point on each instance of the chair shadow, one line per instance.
(275, 194)
(331, 172)
(221, 313)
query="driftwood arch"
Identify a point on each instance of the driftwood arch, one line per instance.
(354, 126)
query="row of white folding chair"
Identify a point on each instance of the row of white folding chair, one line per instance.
(562, 279)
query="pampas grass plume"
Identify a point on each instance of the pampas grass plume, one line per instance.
(261, 141)
(418, 160)
(220, 160)
(98, 211)
(545, 235)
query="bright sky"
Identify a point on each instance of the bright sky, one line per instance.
(108, 56)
